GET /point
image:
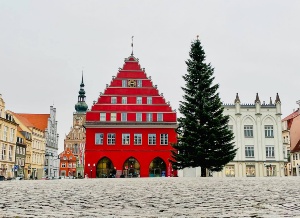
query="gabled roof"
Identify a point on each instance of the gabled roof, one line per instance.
(40, 121)
(292, 115)
(296, 148)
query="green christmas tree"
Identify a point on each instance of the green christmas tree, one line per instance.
(204, 139)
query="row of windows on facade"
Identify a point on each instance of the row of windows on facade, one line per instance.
(139, 100)
(5, 136)
(70, 165)
(296, 156)
(248, 131)
(4, 152)
(111, 139)
(250, 170)
(20, 161)
(270, 151)
(149, 117)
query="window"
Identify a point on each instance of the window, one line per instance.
(138, 116)
(124, 117)
(99, 139)
(114, 100)
(250, 170)
(125, 139)
(70, 165)
(5, 133)
(111, 138)
(137, 139)
(63, 165)
(249, 151)
(74, 165)
(269, 131)
(149, 117)
(149, 100)
(124, 83)
(138, 100)
(113, 117)
(10, 153)
(18, 151)
(151, 139)
(270, 151)
(139, 83)
(230, 127)
(124, 100)
(102, 116)
(271, 170)
(159, 117)
(163, 139)
(12, 135)
(3, 152)
(248, 131)
(229, 171)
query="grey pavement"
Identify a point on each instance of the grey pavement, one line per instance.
(152, 197)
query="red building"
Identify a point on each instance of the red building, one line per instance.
(67, 166)
(129, 130)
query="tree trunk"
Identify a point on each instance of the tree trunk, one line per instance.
(203, 172)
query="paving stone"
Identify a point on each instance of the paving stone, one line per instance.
(152, 197)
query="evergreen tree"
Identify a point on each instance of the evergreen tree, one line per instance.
(204, 139)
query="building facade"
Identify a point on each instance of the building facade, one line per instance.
(258, 136)
(130, 128)
(75, 139)
(20, 155)
(51, 154)
(8, 139)
(291, 135)
(67, 164)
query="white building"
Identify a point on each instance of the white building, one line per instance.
(258, 137)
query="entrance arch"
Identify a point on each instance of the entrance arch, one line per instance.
(131, 168)
(105, 168)
(157, 168)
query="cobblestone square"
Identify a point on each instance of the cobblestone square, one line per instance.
(152, 197)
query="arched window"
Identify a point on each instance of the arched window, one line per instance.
(105, 168)
(157, 168)
(131, 168)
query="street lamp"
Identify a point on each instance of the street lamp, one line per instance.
(91, 168)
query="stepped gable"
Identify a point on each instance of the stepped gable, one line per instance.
(137, 83)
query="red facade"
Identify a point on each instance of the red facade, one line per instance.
(130, 129)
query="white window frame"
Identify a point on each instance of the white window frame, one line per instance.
(10, 151)
(137, 139)
(160, 117)
(139, 100)
(269, 131)
(139, 117)
(5, 130)
(124, 100)
(113, 100)
(149, 100)
(124, 117)
(248, 131)
(270, 151)
(3, 154)
(99, 138)
(138, 83)
(149, 117)
(102, 116)
(249, 151)
(164, 139)
(125, 139)
(111, 138)
(113, 117)
(124, 83)
(151, 139)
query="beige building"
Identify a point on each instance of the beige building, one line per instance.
(8, 138)
(35, 152)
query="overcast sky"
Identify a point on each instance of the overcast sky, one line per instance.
(254, 46)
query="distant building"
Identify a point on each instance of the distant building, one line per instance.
(130, 128)
(75, 139)
(291, 136)
(20, 155)
(8, 138)
(258, 137)
(67, 164)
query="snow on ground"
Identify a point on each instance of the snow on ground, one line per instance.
(152, 197)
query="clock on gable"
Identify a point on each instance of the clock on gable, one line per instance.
(131, 83)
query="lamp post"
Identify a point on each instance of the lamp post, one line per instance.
(91, 169)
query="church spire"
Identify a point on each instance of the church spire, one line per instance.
(81, 106)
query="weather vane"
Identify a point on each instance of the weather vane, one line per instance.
(132, 45)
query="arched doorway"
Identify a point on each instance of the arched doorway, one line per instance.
(105, 168)
(131, 168)
(157, 168)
